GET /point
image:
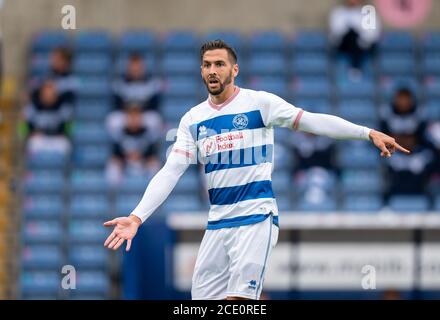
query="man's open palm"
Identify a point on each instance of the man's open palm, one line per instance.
(125, 229)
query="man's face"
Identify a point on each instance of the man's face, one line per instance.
(217, 71)
(48, 93)
(136, 68)
(404, 102)
(58, 62)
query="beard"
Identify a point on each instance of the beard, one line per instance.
(222, 85)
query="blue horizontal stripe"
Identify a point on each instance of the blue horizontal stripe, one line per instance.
(224, 123)
(239, 158)
(240, 221)
(249, 191)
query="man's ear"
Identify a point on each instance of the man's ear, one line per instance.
(236, 70)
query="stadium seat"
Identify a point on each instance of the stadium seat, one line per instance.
(358, 111)
(316, 178)
(92, 64)
(432, 110)
(90, 110)
(89, 206)
(325, 204)
(389, 86)
(362, 89)
(361, 181)
(409, 203)
(362, 203)
(431, 42)
(48, 40)
(437, 203)
(91, 156)
(173, 108)
(134, 184)
(88, 181)
(125, 204)
(282, 183)
(46, 160)
(319, 105)
(267, 41)
(397, 64)
(432, 88)
(179, 202)
(93, 86)
(180, 63)
(43, 206)
(283, 157)
(358, 155)
(40, 282)
(137, 41)
(431, 64)
(89, 256)
(44, 181)
(36, 231)
(39, 64)
(284, 203)
(189, 183)
(87, 231)
(309, 40)
(183, 41)
(183, 87)
(267, 64)
(273, 84)
(91, 132)
(93, 41)
(400, 41)
(310, 64)
(41, 257)
(93, 282)
(312, 87)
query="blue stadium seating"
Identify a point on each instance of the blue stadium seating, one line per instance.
(431, 64)
(125, 204)
(326, 204)
(409, 203)
(137, 41)
(397, 64)
(431, 42)
(267, 64)
(42, 257)
(91, 132)
(134, 184)
(39, 64)
(93, 86)
(312, 87)
(47, 40)
(179, 202)
(432, 88)
(183, 87)
(180, 63)
(42, 232)
(149, 59)
(184, 41)
(267, 41)
(363, 203)
(91, 110)
(43, 206)
(47, 160)
(92, 63)
(355, 181)
(87, 231)
(89, 257)
(309, 40)
(89, 206)
(362, 89)
(189, 182)
(310, 64)
(93, 282)
(45, 181)
(88, 181)
(274, 84)
(40, 282)
(400, 41)
(358, 111)
(281, 182)
(93, 41)
(89, 156)
(233, 38)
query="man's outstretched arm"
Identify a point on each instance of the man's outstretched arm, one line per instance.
(157, 191)
(338, 128)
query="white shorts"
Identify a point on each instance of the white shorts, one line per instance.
(232, 261)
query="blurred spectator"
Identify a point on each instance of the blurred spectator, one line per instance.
(403, 116)
(47, 117)
(137, 86)
(349, 36)
(313, 151)
(135, 135)
(404, 120)
(410, 174)
(61, 73)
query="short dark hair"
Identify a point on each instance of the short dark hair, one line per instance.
(66, 53)
(218, 44)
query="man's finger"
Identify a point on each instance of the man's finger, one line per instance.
(114, 242)
(110, 223)
(128, 245)
(398, 146)
(385, 152)
(119, 243)
(109, 238)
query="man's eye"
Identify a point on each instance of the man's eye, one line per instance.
(219, 64)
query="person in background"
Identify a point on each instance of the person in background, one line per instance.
(137, 86)
(350, 37)
(135, 137)
(47, 117)
(404, 120)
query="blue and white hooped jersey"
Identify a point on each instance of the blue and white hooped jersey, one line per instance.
(235, 142)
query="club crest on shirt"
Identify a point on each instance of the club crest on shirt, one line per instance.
(240, 121)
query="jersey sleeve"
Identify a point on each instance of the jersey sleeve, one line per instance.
(185, 144)
(277, 112)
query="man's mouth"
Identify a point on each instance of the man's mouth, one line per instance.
(213, 81)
